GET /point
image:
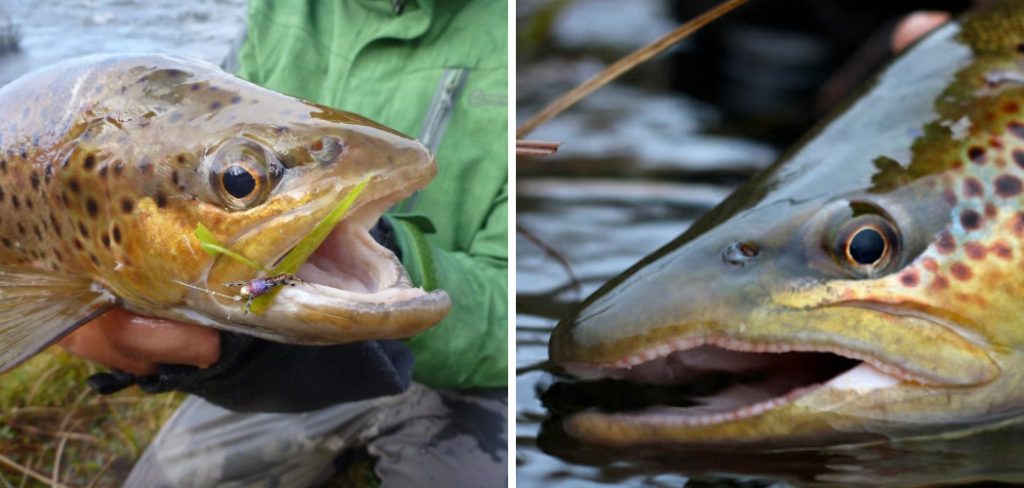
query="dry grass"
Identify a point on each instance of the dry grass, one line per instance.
(54, 431)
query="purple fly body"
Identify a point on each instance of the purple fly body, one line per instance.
(261, 286)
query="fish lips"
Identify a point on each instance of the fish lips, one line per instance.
(840, 355)
(912, 348)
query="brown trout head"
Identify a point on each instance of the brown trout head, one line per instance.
(865, 287)
(129, 154)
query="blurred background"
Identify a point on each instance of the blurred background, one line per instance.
(54, 431)
(640, 160)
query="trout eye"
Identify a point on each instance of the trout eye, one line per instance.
(243, 174)
(239, 181)
(868, 245)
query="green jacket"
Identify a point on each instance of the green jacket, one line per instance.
(360, 56)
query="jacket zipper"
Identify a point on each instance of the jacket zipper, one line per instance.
(438, 115)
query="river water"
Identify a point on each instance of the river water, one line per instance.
(54, 30)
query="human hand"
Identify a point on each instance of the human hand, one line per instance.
(128, 342)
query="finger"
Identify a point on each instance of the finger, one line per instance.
(160, 341)
(916, 25)
(90, 342)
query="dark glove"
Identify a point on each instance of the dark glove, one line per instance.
(257, 375)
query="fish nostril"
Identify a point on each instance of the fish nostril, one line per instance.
(739, 253)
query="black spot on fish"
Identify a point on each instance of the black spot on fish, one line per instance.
(34, 178)
(6, 242)
(174, 177)
(94, 259)
(106, 241)
(77, 243)
(970, 219)
(127, 206)
(29, 203)
(236, 99)
(73, 185)
(161, 200)
(58, 255)
(90, 162)
(1008, 186)
(215, 106)
(103, 171)
(116, 234)
(195, 87)
(118, 167)
(83, 230)
(39, 234)
(21, 229)
(15, 201)
(48, 172)
(976, 154)
(3, 166)
(145, 166)
(1, 195)
(181, 159)
(92, 207)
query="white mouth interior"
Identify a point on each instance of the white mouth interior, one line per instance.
(763, 377)
(351, 265)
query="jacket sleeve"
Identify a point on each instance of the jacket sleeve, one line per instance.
(469, 348)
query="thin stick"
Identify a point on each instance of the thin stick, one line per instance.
(55, 477)
(536, 148)
(625, 64)
(6, 461)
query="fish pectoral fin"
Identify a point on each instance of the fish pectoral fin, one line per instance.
(38, 307)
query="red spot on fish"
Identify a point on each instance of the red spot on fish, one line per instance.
(1008, 186)
(991, 210)
(1000, 162)
(909, 279)
(950, 196)
(970, 219)
(976, 154)
(940, 283)
(960, 271)
(1018, 223)
(1002, 250)
(1010, 107)
(974, 250)
(946, 245)
(973, 188)
(995, 143)
(956, 165)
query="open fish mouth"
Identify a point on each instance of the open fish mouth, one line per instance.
(351, 288)
(761, 377)
(350, 264)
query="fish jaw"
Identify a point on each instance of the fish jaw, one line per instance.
(687, 312)
(351, 288)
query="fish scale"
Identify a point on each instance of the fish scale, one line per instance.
(113, 162)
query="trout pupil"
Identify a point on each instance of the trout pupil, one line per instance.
(867, 246)
(238, 182)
